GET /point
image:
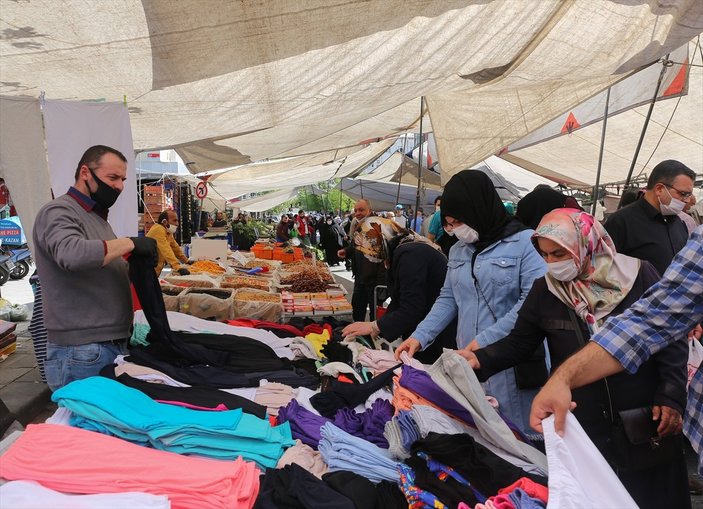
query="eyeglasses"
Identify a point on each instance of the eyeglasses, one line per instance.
(683, 194)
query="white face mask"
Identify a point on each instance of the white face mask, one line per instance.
(564, 270)
(172, 228)
(673, 207)
(465, 233)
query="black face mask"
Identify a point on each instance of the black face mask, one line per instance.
(105, 196)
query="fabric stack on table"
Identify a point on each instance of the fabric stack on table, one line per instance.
(197, 408)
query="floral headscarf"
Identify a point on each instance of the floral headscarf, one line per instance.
(370, 235)
(605, 276)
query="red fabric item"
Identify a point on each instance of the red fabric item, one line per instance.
(263, 324)
(328, 328)
(345, 379)
(314, 328)
(533, 489)
(242, 322)
(273, 420)
(136, 305)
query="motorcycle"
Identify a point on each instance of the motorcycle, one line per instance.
(21, 259)
(6, 268)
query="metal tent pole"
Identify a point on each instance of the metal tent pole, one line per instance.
(419, 162)
(666, 63)
(600, 155)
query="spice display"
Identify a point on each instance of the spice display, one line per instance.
(257, 296)
(206, 266)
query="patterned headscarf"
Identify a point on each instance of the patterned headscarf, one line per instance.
(370, 235)
(605, 276)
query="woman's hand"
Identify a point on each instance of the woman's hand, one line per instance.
(410, 345)
(357, 329)
(468, 354)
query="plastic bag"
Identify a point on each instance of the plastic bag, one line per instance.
(695, 357)
(13, 312)
(208, 303)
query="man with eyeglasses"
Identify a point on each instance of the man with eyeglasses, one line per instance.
(650, 229)
(85, 282)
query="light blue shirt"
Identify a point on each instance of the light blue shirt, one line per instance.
(487, 310)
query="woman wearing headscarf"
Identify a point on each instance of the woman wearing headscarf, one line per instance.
(416, 272)
(490, 271)
(534, 205)
(587, 281)
(331, 239)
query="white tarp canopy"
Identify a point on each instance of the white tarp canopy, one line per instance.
(511, 181)
(400, 168)
(266, 201)
(384, 195)
(228, 83)
(568, 153)
(295, 172)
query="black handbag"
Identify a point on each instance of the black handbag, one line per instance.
(634, 442)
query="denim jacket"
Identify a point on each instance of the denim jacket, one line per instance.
(487, 310)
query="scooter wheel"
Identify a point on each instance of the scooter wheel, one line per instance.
(20, 270)
(4, 276)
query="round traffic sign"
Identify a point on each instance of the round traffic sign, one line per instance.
(201, 190)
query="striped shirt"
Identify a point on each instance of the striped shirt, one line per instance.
(665, 313)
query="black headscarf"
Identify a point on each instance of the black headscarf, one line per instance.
(471, 198)
(535, 205)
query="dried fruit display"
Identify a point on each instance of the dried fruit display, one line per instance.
(309, 273)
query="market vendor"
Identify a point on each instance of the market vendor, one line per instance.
(220, 220)
(169, 250)
(85, 282)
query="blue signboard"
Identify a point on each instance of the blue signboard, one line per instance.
(11, 232)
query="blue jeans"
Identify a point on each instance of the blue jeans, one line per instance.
(64, 364)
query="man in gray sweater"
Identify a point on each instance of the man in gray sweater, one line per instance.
(85, 281)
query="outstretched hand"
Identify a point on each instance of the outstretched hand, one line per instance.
(554, 398)
(410, 345)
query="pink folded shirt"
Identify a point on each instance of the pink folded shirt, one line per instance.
(73, 460)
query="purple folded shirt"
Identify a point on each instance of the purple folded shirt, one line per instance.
(421, 383)
(368, 425)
